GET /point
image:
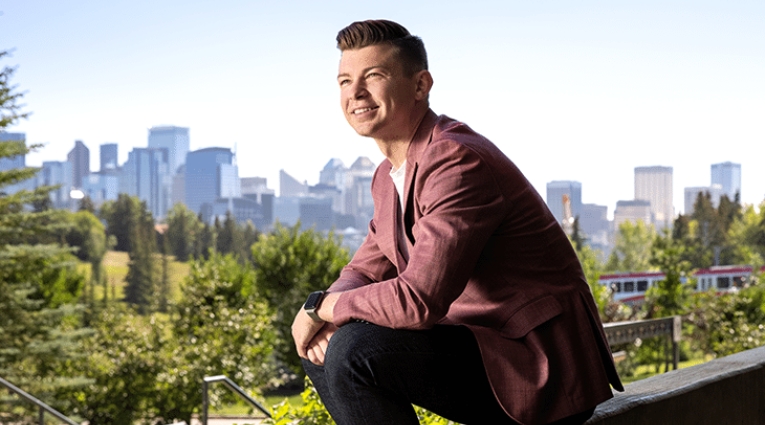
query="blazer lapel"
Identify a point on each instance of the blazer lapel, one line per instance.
(419, 142)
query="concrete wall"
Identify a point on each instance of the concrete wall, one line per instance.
(730, 390)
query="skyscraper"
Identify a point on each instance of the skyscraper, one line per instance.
(555, 191)
(728, 176)
(79, 157)
(109, 159)
(146, 175)
(654, 184)
(210, 174)
(175, 140)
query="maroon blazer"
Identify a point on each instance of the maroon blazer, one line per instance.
(484, 251)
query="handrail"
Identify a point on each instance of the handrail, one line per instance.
(623, 332)
(233, 387)
(43, 407)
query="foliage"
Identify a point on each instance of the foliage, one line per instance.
(221, 327)
(632, 249)
(290, 264)
(128, 218)
(313, 412)
(592, 267)
(124, 360)
(39, 285)
(141, 288)
(183, 229)
(670, 295)
(729, 323)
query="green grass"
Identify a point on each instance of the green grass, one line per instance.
(242, 408)
(115, 266)
(646, 371)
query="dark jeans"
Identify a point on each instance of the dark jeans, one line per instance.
(373, 375)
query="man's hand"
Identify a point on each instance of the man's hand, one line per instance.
(317, 348)
(311, 337)
(303, 330)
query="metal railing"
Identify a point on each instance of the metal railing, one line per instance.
(625, 332)
(233, 387)
(43, 407)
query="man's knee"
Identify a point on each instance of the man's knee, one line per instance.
(347, 343)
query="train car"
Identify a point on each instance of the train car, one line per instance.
(723, 278)
(630, 288)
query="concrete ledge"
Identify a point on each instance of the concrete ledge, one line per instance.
(729, 390)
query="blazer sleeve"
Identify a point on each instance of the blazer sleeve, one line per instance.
(367, 266)
(458, 205)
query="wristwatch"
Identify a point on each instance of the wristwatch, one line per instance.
(312, 303)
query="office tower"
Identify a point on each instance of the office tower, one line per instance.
(109, 159)
(146, 176)
(57, 173)
(556, 190)
(290, 186)
(358, 191)
(100, 188)
(18, 161)
(210, 174)
(175, 140)
(654, 184)
(691, 194)
(593, 222)
(728, 176)
(633, 211)
(333, 173)
(79, 157)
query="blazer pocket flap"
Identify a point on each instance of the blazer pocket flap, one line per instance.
(530, 316)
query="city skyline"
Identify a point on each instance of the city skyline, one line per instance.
(583, 92)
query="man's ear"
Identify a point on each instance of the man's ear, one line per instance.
(424, 82)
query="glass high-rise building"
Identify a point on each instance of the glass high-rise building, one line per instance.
(728, 176)
(109, 159)
(211, 173)
(146, 176)
(654, 184)
(175, 140)
(79, 157)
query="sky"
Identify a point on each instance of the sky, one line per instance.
(583, 91)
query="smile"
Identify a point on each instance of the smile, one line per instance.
(362, 110)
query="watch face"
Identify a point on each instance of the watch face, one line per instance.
(313, 299)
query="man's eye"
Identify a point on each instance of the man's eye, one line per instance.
(344, 82)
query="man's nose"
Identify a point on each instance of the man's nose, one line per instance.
(359, 90)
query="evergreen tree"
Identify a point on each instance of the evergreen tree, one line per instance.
(39, 284)
(140, 280)
(183, 228)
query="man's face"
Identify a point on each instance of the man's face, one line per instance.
(377, 97)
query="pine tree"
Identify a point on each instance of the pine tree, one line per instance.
(140, 289)
(38, 282)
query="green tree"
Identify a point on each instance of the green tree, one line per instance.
(141, 288)
(290, 264)
(183, 228)
(222, 327)
(39, 284)
(127, 218)
(746, 236)
(125, 357)
(632, 249)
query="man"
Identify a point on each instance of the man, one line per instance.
(466, 297)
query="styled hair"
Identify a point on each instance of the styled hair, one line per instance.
(411, 50)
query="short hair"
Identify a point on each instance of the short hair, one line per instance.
(411, 49)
